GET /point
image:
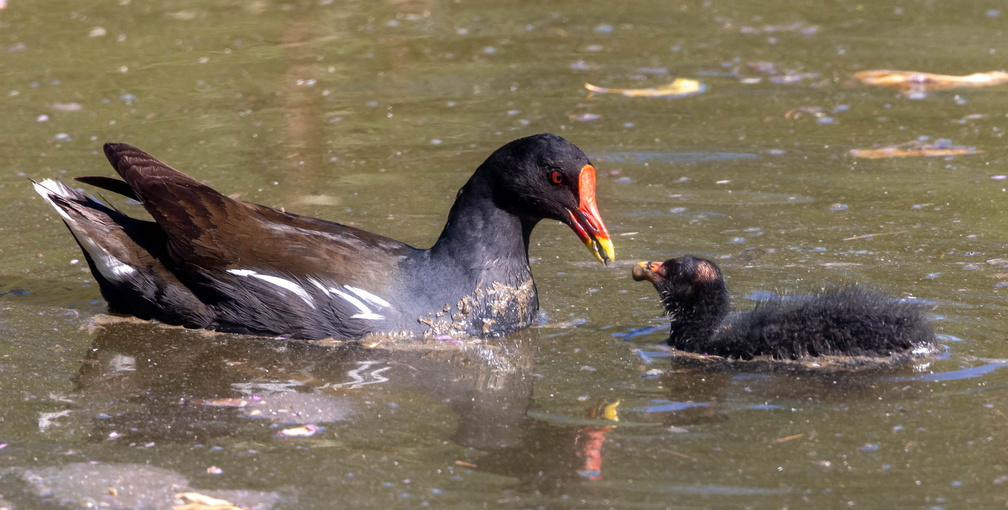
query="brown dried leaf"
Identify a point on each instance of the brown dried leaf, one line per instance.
(302, 431)
(222, 402)
(678, 88)
(915, 148)
(786, 439)
(197, 501)
(912, 81)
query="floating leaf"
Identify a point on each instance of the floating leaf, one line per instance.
(915, 148)
(302, 431)
(197, 501)
(916, 82)
(780, 440)
(678, 88)
(222, 402)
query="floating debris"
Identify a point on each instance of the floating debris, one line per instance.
(780, 440)
(67, 107)
(913, 82)
(797, 27)
(776, 74)
(822, 115)
(916, 148)
(302, 431)
(197, 501)
(680, 87)
(47, 420)
(222, 402)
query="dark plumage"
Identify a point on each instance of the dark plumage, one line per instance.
(846, 321)
(209, 261)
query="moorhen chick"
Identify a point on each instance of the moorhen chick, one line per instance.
(845, 321)
(209, 261)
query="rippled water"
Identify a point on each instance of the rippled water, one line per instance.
(374, 114)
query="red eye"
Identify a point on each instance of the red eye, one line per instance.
(557, 178)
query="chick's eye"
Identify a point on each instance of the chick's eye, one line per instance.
(557, 178)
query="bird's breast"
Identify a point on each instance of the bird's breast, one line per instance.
(492, 308)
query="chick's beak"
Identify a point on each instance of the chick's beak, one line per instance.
(586, 221)
(650, 271)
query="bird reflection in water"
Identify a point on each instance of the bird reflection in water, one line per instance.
(173, 385)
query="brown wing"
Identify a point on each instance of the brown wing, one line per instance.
(205, 228)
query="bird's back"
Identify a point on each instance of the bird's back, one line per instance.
(850, 321)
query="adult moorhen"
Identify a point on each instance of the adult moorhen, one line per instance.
(846, 321)
(209, 261)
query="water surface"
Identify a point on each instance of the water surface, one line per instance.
(374, 114)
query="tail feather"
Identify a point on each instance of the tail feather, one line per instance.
(110, 184)
(127, 256)
(92, 225)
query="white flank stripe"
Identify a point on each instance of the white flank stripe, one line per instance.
(367, 296)
(365, 312)
(283, 283)
(369, 316)
(286, 284)
(319, 285)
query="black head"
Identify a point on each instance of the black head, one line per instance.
(545, 176)
(683, 282)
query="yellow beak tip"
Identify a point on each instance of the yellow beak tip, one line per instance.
(603, 250)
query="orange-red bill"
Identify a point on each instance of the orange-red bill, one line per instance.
(587, 222)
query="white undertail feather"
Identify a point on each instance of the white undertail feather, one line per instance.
(50, 187)
(109, 266)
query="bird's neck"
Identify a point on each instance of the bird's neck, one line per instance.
(482, 237)
(478, 269)
(695, 320)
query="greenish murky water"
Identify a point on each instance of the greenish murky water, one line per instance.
(375, 113)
